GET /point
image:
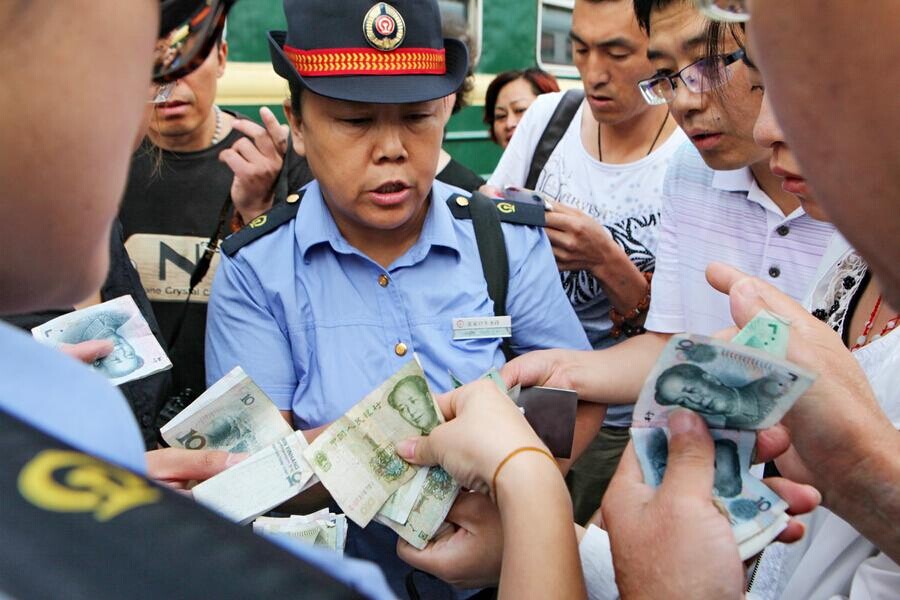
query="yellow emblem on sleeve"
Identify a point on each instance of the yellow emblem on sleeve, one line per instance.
(259, 221)
(71, 482)
(384, 27)
(506, 208)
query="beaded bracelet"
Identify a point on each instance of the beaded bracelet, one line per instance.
(622, 323)
(510, 456)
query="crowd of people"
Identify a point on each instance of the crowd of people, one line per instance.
(708, 168)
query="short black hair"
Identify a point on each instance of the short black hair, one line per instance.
(644, 8)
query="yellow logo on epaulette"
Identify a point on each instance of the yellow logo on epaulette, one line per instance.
(70, 482)
(506, 208)
(258, 221)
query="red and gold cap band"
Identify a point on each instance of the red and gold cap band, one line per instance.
(335, 62)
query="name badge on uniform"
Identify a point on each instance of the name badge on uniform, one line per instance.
(476, 328)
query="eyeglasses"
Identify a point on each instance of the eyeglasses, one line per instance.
(729, 11)
(188, 31)
(706, 74)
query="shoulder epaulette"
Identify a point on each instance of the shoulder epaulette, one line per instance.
(519, 213)
(264, 224)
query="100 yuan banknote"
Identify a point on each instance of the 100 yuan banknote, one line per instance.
(751, 507)
(260, 483)
(730, 386)
(136, 353)
(355, 456)
(233, 415)
(429, 511)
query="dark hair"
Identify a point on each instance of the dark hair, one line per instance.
(452, 28)
(296, 95)
(644, 8)
(541, 83)
(715, 43)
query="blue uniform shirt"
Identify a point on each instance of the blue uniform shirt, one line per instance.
(317, 324)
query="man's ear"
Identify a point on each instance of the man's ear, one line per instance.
(222, 51)
(294, 123)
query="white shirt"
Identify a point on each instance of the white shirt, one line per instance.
(625, 198)
(724, 216)
(833, 561)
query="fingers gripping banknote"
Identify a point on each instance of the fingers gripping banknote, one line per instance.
(136, 353)
(355, 457)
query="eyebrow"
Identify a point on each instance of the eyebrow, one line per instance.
(618, 42)
(690, 45)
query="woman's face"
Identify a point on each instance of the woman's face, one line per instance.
(513, 100)
(783, 163)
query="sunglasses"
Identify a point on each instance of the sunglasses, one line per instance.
(188, 31)
(728, 11)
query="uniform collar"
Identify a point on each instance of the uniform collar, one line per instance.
(743, 181)
(314, 226)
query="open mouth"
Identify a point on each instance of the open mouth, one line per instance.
(391, 193)
(705, 141)
(391, 187)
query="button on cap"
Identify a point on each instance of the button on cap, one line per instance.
(774, 272)
(783, 230)
(383, 280)
(400, 349)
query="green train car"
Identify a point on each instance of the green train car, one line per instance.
(505, 34)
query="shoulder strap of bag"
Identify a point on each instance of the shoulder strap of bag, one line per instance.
(492, 251)
(553, 133)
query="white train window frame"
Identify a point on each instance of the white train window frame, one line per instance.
(474, 25)
(558, 69)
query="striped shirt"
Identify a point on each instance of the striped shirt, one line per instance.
(724, 216)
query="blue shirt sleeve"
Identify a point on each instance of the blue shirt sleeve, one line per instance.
(363, 576)
(542, 316)
(242, 330)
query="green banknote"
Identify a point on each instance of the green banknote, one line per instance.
(429, 511)
(766, 332)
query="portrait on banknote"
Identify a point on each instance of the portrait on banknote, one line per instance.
(732, 407)
(411, 399)
(123, 359)
(727, 480)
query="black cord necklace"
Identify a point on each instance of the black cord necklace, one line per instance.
(649, 150)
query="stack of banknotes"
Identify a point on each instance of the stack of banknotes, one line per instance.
(738, 387)
(322, 528)
(235, 415)
(356, 460)
(136, 353)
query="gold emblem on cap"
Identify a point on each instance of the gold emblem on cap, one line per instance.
(383, 27)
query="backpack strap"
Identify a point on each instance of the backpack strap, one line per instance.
(487, 214)
(553, 133)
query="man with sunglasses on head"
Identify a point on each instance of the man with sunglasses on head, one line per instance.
(106, 531)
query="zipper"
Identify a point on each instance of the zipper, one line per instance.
(755, 571)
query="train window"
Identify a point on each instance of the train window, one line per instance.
(554, 46)
(462, 19)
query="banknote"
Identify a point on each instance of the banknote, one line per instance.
(400, 504)
(355, 456)
(259, 483)
(233, 415)
(756, 544)
(766, 332)
(730, 386)
(136, 352)
(751, 507)
(322, 528)
(429, 511)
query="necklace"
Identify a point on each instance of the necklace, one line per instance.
(863, 339)
(649, 150)
(218, 131)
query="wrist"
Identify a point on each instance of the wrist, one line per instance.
(521, 474)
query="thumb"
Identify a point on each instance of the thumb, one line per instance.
(418, 451)
(690, 466)
(88, 352)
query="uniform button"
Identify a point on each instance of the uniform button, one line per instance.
(774, 272)
(293, 198)
(462, 201)
(783, 230)
(400, 349)
(383, 280)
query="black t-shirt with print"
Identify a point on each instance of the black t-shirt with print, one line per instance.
(171, 207)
